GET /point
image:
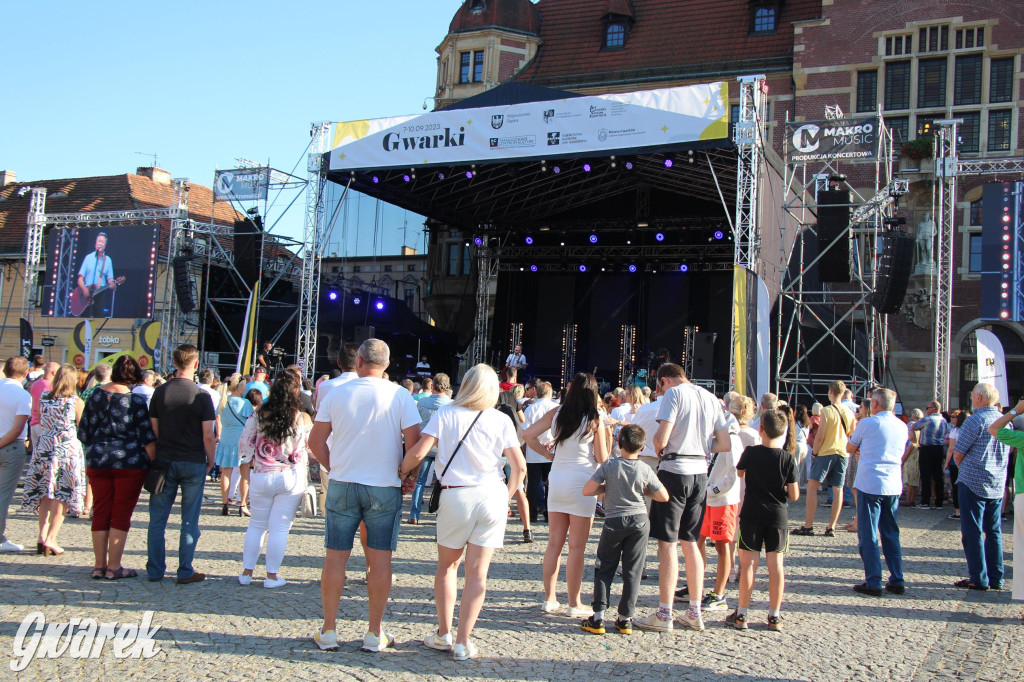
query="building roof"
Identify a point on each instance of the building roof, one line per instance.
(516, 15)
(668, 39)
(102, 193)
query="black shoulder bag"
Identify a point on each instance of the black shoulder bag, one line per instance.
(435, 492)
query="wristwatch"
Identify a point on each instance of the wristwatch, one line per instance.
(1012, 412)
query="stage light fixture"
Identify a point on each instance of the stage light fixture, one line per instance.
(478, 241)
(593, 239)
(629, 165)
(356, 300)
(440, 176)
(586, 168)
(668, 163)
(556, 170)
(632, 267)
(683, 267)
(332, 295)
(719, 234)
(659, 236)
(406, 177)
(529, 240)
(583, 268)
(533, 268)
(613, 162)
(379, 304)
(375, 179)
(469, 175)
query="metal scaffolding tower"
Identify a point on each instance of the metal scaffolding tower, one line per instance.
(33, 250)
(314, 237)
(944, 195)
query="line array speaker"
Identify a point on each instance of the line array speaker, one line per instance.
(893, 275)
(183, 284)
(834, 264)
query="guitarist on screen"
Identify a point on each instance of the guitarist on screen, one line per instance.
(97, 273)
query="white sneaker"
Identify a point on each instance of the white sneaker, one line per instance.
(244, 579)
(580, 612)
(436, 641)
(327, 641)
(8, 546)
(654, 623)
(372, 642)
(550, 607)
(686, 620)
(464, 653)
(275, 582)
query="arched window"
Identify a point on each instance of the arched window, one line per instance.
(615, 35)
(764, 18)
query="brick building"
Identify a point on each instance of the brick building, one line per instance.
(918, 60)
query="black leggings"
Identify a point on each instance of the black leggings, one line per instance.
(536, 487)
(954, 474)
(931, 458)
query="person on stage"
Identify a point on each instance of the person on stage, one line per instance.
(515, 362)
(263, 356)
(97, 272)
(423, 367)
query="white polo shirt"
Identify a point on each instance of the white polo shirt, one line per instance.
(695, 415)
(15, 401)
(367, 416)
(532, 415)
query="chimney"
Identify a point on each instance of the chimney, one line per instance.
(155, 174)
(408, 251)
(8, 177)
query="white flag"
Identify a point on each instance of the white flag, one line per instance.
(992, 364)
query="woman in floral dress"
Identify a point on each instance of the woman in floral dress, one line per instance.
(55, 483)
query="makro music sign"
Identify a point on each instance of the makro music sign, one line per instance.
(567, 127)
(249, 184)
(846, 139)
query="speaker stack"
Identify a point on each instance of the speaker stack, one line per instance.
(248, 247)
(834, 262)
(893, 274)
(183, 283)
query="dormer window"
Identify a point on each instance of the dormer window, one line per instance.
(764, 17)
(477, 6)
(615, 35)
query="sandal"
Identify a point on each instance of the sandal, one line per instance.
(98, 572)
(122, 573)
(803, 530)
(830, 532)
(966, 582)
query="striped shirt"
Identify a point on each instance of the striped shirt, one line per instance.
(983, 469)
(933, 429)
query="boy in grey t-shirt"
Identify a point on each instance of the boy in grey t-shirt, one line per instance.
(624, 481)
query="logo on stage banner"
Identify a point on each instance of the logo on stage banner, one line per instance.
(497, 121)
(248, 184)
(848, 139)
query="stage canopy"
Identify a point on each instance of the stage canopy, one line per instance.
(519, 157)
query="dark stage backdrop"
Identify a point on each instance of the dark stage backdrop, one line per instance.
(599, 303)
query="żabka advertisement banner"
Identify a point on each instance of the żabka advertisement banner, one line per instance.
(567, 127)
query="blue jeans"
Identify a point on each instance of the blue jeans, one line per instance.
(421, 483)
(190, 477)
(348, 504)
(876, 516)
(978, 514)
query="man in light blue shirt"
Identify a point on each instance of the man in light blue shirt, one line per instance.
(879, 442)
(97, 271)
(441, 388)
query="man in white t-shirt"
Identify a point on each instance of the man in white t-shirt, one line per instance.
(368, 418)
(691, 426)
(206, 386)
(145, 389)
(15, 410)
(537, 465)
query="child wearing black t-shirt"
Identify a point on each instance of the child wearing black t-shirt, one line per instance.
(771, 477)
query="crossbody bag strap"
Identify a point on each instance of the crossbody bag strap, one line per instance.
(235, 414)
(457, 447)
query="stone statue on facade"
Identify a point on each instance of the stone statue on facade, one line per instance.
(925, 241)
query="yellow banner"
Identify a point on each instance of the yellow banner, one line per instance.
(739, 328)
(145, 348)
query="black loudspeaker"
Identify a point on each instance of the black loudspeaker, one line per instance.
(893, 274)
(835, 264)
(183, 284)
(248, 246)
(363, 332)
(703, 355)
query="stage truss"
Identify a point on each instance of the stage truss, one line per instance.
(849, 304)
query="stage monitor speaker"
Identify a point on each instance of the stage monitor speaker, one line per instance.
(703, 355)
(834, 264)
(363, 332)
(248, 246)
(893, 274)
(183, 284)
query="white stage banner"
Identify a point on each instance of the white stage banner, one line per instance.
(579, 126)
(992, 364)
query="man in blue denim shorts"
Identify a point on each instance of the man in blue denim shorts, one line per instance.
(366, 418)
(829, 461)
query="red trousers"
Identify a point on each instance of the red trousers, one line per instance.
(115, 492)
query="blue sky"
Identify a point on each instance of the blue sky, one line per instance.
(88, 85)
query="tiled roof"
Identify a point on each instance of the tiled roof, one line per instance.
(102, 193)
(668, 38)
(518, 15)
(622, 8)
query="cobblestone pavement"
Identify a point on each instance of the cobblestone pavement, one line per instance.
(218, 629)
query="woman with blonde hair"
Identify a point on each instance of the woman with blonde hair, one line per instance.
(55, 482)
(911, 465)
(581, 443)
(472, 436)
(232, 414)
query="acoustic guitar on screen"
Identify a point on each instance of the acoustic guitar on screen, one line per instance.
(80, 301)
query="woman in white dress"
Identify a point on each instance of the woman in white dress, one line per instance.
(581, 443)
(471, 437)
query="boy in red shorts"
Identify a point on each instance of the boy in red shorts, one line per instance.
(770, 473)
(720, 513)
